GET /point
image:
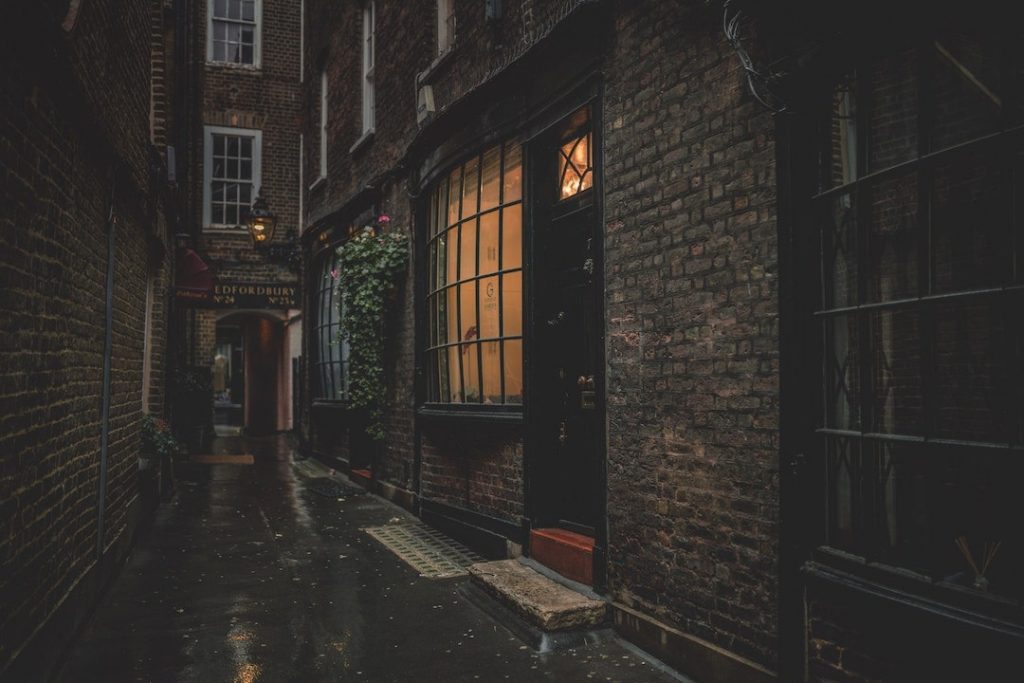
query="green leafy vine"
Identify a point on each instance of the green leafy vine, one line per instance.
(370, 266)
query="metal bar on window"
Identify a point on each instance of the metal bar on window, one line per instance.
(931, 298)
(501, 270)
(458, 281)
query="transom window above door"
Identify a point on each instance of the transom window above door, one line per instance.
(575, 156)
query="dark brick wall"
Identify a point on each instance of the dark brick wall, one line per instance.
(74, 134)
(690, 249)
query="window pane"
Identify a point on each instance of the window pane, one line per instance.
(513, 172)
(217, 214)
(842, 372)
(490, 179)
(842, 152)
(893, 117)
(233, 145)
(246, 147)
(489, 323)
(839, 247)
(217, 189)
(843, 473)
(933, 500)
(471, 372)
(452, 273)
(219, 52)
(971, 378)
(247, 35)
(970, 224)
(467, 250)
(220, 8)
(231, 214)
(468, 311)
(245, 171)
(443, 379)
(454, 193)
(232, 168)
(247, 55)
(893, 243)
(491, 369)
(966, 89)
(454, 374)
(249, 10)
(439, 216)
(489, 243)
(512, 237)
(245, 194)
(452, 305)
(896, 372)
(512, 303)
(470, 189)
(513, 371)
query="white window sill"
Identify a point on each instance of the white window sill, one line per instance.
(318, 183)
(362, 142)
(255, 68)
(227, 229)
(428, 74)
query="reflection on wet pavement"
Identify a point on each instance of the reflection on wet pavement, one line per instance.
(250, 576)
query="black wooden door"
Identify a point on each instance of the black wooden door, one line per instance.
(567, 354)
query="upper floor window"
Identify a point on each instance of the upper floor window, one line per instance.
(475, 271)
(369, 37)
(445, 25)
(231, 175)
(234, 32)
(323, 123)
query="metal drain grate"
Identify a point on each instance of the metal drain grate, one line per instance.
(428, 551)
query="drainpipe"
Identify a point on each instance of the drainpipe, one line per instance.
(108, 350)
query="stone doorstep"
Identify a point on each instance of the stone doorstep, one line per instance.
(542, 602)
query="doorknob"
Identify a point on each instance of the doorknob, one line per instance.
(557, 319)
(562, 434)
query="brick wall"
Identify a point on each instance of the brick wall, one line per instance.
(690, 249)
(74, 115)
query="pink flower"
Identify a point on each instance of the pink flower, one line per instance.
(334, 273)
(383, 219)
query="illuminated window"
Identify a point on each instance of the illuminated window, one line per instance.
(475, 302)
(576, 172)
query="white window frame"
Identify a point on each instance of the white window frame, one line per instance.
(257, 168)
(445, 28)
(323, 124)
(369, 40)
(257, 50)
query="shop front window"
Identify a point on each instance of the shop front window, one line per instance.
(920, 310)
(475, 300)
(330, 366)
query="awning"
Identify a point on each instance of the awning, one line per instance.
(193, 280)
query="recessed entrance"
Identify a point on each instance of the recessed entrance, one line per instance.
(566, 464)
(246, 372)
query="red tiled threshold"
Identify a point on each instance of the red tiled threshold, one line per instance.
(568, 553)
(362, 477)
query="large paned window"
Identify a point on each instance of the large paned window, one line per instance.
(234, 36)
(475, 302)
(330, 366)
(921, 309)
(231, 175)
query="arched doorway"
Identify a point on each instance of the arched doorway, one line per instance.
(247, 373)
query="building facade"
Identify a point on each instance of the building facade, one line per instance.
(718, 317)
(239, 70)
(85, 263)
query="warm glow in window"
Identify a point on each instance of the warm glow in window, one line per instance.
(575, 164)
(475, 306)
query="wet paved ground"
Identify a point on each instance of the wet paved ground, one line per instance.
(251, 576)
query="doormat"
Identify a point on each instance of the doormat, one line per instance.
(428, 551)
(244, 459)
(325, 486)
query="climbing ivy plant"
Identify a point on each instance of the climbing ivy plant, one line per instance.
(370, 267)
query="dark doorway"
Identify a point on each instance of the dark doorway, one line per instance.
(228, 376)
(567, 356)
(263, 347)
